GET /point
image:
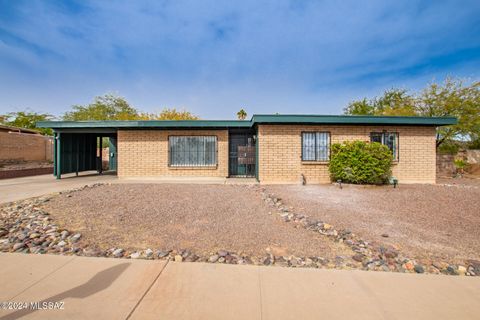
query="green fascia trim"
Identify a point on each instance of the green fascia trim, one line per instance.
(256, 119)
(366, 120)
(146, 124)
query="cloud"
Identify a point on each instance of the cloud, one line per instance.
(272, 55)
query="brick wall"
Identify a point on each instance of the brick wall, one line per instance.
(280, 152)
(145, 153)
(25, 146)
(9, 174)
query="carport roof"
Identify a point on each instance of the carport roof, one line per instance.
(256, 119)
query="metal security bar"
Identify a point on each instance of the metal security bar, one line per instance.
(390, 139)
(315, 146)
(192, 151)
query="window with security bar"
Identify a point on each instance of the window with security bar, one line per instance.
(315, 146)
(192, 151)
(390, 139)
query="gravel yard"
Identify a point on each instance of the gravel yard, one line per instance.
(200, 218)
(415, 228)
(423, 221)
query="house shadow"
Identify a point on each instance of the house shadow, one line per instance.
(101, 281)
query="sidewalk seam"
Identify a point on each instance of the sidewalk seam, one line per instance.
(43, 278)
(146, 291)
(261, 297)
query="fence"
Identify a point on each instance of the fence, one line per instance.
(445, 165)
(25, 146)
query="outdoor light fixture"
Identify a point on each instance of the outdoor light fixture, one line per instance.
(393, 181)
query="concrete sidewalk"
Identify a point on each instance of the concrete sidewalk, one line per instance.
(104, 288)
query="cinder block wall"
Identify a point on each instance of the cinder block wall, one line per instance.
(25, 146)
(280, 152)
(145, 153)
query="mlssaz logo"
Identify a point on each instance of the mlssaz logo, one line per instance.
(47, 305)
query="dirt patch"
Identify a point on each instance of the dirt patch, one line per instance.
(423, 221)
(201, 218)
(6, 165)
(466, 180)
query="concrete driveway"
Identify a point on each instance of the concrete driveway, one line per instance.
(102, 288)
(27, 187)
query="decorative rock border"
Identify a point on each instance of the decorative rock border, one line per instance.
(371, 257)
(26, 228)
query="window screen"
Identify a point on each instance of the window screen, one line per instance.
(315, 146)
(192, 151)
(390, 139)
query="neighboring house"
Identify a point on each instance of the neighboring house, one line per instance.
(272, 148)
(10, 129)
(24, 145)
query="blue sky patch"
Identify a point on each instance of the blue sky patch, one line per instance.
(214, 58)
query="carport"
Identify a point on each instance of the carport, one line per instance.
(81, 150)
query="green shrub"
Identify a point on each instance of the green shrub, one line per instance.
(474, 145)
(449, 147)
(360, 162)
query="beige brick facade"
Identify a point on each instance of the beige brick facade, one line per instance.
(280, 152)
(145, 153)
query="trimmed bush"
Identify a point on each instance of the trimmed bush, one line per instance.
(360, 162)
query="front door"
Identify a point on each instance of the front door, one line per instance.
(241, 154)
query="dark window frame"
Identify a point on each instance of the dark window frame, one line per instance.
(396, 155)
(316, 145)
(170, 154)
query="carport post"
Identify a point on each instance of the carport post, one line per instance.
(101, 151)
(78, 156)
(58, 156)
(54, 157)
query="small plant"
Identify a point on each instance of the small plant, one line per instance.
(360, 162)
(460, 165)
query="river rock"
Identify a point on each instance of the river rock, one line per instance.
(148, 253)
(135, 255)
(213, 258)
(117, 253)
(75, 237)
(18, 246)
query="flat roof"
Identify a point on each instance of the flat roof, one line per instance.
(146, 124)
(18, 129)
(256, 119)
(346, 119)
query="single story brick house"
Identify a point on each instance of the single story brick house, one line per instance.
(271, 148)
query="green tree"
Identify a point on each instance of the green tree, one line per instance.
(393, 102)
(169, 114)
(451, 98)
(242, 114)
(27, 120)
(106, 107)
(361, 107)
